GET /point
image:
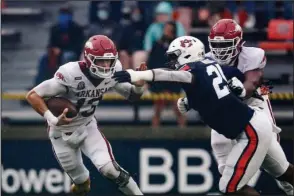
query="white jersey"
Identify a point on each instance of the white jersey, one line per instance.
(82, 90)
(250, 58)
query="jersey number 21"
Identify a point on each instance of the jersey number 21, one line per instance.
(219, 85)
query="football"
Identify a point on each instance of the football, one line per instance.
(57, 104)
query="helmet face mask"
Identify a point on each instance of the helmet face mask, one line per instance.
(173, 59)
(224, 50)
(101, 67)
(225, 41)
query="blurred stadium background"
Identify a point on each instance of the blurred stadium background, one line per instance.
(35, 42)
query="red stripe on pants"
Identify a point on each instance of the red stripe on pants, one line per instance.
(244, 159)
(272, 115)
(108, 147)
(271, 110)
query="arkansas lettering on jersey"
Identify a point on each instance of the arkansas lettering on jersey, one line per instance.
(83, 90)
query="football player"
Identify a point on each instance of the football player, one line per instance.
(208, 93)
(226, 45)
(84, 83)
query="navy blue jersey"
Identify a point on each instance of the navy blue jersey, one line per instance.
(209, 94)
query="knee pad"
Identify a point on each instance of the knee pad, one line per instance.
(79, 175)
(66, 161)
(115, 173)
(73, 167)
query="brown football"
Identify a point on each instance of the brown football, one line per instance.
(57, 104)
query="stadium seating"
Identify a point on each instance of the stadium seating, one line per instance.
(280, 35)
(21, 14)
(10, 36)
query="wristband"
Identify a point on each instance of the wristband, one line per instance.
(50, 117)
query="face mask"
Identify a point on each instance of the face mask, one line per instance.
(136, 17)
(64, 20)
(102, 14)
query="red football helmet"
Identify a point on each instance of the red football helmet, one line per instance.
(100, 55)
(225, 40)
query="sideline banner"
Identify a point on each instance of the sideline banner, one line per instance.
(159, 166)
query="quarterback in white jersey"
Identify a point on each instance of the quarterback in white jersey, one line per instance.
(84, 83)
(226, 44)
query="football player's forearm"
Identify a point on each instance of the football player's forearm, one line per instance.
(48, 88)
(250, 88)
(161, 75)
(129, 91)
(252, 81)
(136, 93)
(37, 102)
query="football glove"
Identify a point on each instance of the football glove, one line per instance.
(237, 87)
(183, 105)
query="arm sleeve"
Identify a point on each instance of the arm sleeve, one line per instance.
(50, 88)
(161, 75)
(125, 89)
(172, 76)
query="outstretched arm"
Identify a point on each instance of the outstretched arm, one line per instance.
(152, 75)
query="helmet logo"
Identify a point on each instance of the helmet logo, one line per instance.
(60, 76)
(237, 27)
(186, 41)
(89, 45)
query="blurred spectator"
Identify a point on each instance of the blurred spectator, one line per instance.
(287, 9)
(3, 5)
(115, 10)
(104, 25)
(249, 7)
(157, 59)
(65, 44)
(127, 10)
(216, 9)
(163, 13)
(132, 36)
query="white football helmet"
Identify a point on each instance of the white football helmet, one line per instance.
(185, 49)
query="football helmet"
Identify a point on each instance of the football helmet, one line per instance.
(185, 49)
(100, 55)
(225, 40)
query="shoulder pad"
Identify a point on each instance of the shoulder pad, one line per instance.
(66, 73)
(251, 58)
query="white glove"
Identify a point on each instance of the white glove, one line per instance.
(237, 87)
(183, 105)
(76, 138)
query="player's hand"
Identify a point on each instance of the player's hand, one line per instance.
(183, 105)
(266, 87)
(142, 67)
(237, 87)
(126, 76)
(62, 119)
